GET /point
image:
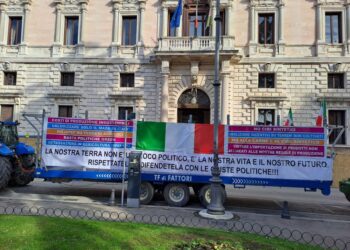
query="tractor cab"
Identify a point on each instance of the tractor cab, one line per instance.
(9, 134)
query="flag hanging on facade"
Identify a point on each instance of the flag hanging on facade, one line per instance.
(321, 119)
(185, 138)
(176, 18)
(209, 19)
(289, 121)
(196, 20)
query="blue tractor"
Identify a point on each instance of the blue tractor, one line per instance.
(17, 160)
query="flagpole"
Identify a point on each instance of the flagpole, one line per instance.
(196, 20)
(215, 209)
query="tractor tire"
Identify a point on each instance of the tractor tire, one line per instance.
(5, 172)
(23, 171)
(347, 197)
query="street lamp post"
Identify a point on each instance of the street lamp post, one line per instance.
(215, 209)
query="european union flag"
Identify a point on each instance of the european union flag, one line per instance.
(175, 19)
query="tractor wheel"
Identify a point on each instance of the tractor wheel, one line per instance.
(23, 171)
(5, 172)
(347, 196)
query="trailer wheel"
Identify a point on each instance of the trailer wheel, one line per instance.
(5, 172)
(146, 193)
(196, 189)
(176, 194)
(23, 171)
(205, 195)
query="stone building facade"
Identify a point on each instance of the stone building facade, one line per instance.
(108, 56)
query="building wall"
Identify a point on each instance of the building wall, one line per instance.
(299, 58)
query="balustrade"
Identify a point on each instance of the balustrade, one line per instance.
(194, 43)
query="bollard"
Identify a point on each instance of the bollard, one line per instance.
(111, 201)
(285, 211)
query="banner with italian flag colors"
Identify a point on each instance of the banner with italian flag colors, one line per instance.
(321, 119)
(178, 137)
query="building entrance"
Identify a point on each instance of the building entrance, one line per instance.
(193, 102)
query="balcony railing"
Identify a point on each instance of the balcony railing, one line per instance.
(174, 44)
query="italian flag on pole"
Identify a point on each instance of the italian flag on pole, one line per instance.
(289, 121)
(178, 137)
(322, 116)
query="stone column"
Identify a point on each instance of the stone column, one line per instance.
(320, 42)
(82, 22)
(252, 24)
(165, 92)
(58, 41)
(319, 35)
(252, 30)
(58, 24)
(141, 21)
(229, 22)
(281, 43)
(23, 45)
(24, 26)
(115, 30)
(80, 49)
(115, 23)
(165, 22)
(2, 23)
(348, 26)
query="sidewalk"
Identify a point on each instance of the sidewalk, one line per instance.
(83, 207)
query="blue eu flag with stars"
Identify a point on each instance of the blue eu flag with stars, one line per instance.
(175, 19)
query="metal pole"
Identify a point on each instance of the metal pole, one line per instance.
(125, 133)
(42, 138)
(216, 204)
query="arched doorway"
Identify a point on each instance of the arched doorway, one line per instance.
(193, 102)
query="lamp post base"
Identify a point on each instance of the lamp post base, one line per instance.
(226, 216)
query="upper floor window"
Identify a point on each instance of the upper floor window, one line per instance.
(197, 24)
(195, 16)
(71, 30)
(122, 112)
(127, 80)
(67, 78)
(335, 81)
(266, 117)
(333, 27)
(337, 118)
(7, 113)
(65, 111)
(10, 78)
(15, 31)
(129, 30)
(266, 80)
(266, 28)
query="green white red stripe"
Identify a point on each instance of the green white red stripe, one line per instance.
(177, 137)
(290, 120)
(322, 116)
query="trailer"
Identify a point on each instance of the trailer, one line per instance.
(179, 156)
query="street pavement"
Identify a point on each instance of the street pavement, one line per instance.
(310, 211)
